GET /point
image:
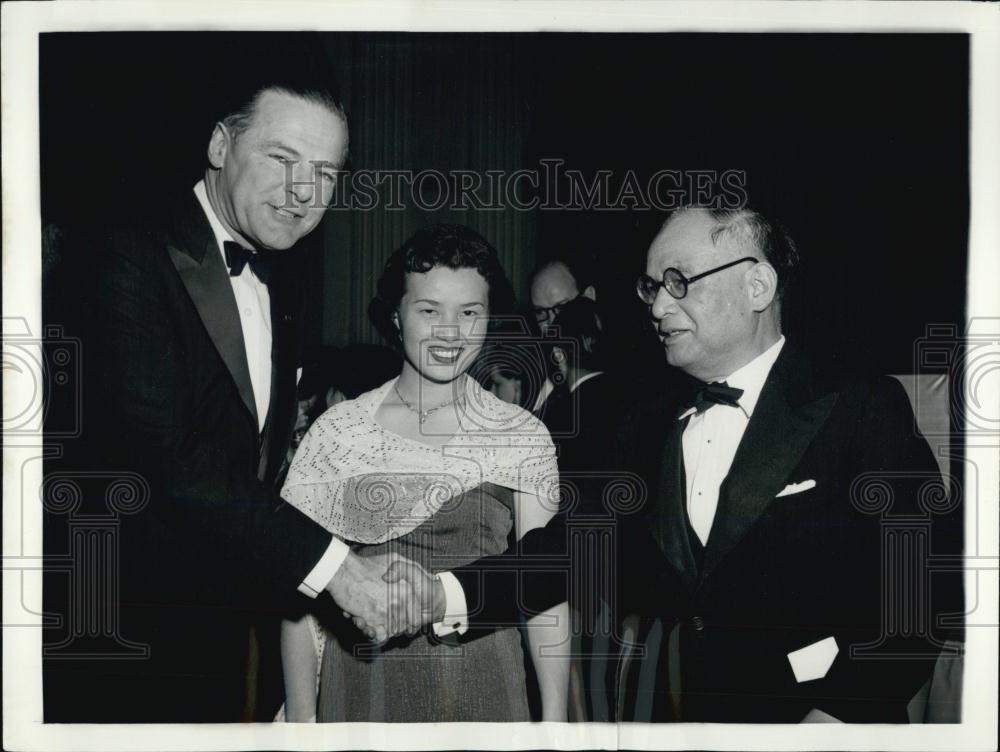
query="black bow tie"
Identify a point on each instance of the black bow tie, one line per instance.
(237, 257)
(703, 396)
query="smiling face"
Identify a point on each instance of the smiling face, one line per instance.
(714, 329)
(271, 184)
(442, 320)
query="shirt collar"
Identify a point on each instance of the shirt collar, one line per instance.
(220, 232)
(582, 379)
(750, 378)
(547, 388)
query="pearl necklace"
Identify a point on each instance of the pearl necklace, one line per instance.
(423, 414)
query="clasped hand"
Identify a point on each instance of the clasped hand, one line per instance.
(387, 595)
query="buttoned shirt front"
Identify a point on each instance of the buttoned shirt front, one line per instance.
(710, 440)
(254, 305)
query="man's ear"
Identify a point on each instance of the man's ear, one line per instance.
(763, 286)
(590, 292)
(395, 319)
(560, 360)
(218, 145)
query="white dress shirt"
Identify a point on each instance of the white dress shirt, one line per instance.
(711, 439)
(254, 304)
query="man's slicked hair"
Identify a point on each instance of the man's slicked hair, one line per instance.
(240, 119)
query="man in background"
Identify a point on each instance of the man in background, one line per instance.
(555, 283)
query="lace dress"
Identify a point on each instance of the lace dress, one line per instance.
(442, 507)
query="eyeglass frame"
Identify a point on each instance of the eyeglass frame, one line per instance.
(686, 281)
(549, 314)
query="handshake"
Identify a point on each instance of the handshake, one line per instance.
(387, 595)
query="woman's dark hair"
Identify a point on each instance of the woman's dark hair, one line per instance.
(450, 246)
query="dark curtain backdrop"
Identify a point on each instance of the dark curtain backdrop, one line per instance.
(422, 102)
(859, 142)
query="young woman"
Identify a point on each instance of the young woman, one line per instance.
(431, 466)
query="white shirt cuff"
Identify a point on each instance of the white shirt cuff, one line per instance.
(320, 576)
(456, 610)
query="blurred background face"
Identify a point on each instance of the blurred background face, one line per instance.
(442, 320)
(288, 137)
(552, 287)
(708, 333)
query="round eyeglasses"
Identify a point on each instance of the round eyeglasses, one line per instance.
(674, 281)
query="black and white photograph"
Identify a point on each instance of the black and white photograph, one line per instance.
(624, 375)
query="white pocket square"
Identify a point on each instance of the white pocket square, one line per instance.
(813, 661)
(794, 488)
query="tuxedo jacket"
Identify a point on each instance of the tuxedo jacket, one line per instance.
(583, 423)
(824, 528)
(167, 396)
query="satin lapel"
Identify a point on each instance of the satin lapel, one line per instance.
(282, 410)
(776, 438)
(666, 517)
(208, 285)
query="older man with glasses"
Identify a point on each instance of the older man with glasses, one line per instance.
(754, 574)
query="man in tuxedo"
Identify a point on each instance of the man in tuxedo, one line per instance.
(192, 329)
(554, 284)
(763, 579)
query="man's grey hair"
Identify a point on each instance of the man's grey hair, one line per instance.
(756, 234)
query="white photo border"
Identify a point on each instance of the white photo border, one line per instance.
(21, 25)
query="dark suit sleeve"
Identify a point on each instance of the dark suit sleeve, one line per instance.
(530, 577)
(639, 561)
(895, 604)
(537, 573)
(263, 547)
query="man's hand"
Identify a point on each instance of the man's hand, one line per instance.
(381, 608)
(426, 606)
(428, 591)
